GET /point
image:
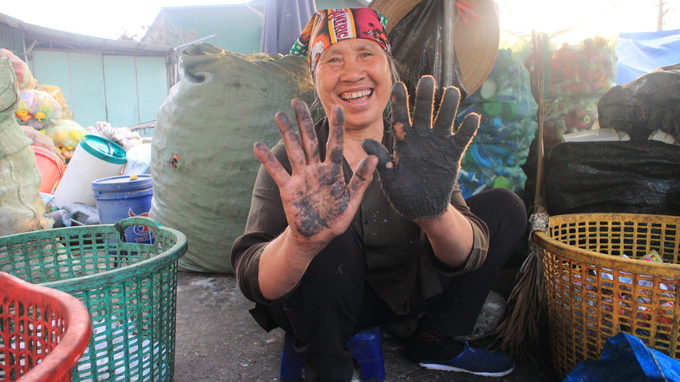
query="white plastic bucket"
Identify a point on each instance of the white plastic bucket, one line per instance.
(94, 158)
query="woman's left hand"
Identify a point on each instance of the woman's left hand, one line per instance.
(419, 177)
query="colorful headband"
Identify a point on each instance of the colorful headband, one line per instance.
(328, 26)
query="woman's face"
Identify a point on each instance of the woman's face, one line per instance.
(356, 75)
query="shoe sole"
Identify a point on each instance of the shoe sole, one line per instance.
(438, 366)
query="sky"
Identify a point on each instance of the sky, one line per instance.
(109, 19)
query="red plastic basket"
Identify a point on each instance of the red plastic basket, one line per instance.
(43, 332)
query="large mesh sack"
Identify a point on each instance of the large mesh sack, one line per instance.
(21, 207)
(23, 74)
(203, 166)
(507, 126)
(621, 177)
(37, 109)
(58, 95)
(650, 103)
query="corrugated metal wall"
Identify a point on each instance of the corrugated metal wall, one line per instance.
(123, 90)
(12, 39)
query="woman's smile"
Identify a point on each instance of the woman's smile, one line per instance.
(354, 97)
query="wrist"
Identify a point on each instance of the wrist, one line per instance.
(299, 245)
(451, 236)
(429, 222)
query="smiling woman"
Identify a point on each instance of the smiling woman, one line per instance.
(358, 221)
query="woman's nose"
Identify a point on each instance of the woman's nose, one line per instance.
(353, 72)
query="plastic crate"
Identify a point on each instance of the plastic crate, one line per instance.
(129, 289)
(594, 292)
(43, 332)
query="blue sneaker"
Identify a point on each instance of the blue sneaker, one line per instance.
(430, 352)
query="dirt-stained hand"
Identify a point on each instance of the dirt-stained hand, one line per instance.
(419, 177)
(319, 205)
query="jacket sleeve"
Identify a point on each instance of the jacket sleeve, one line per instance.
(480, 232)
(266, 221)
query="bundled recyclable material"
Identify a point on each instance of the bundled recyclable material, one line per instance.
(125, 137)
(41, 140)
(507, 127)
(646, 108)
(58, 96)
(21, 206)
(23, 74)
(66, 134)
(579, 75)
(41, 105)
(38, 109)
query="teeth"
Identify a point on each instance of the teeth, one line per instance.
(356, 95)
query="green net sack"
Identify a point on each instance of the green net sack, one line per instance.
(21, 207)
(203, 165)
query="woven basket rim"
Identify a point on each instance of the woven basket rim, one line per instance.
(547, 243)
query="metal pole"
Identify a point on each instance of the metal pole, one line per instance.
(447, 41)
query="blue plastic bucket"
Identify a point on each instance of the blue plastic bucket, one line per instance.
(121, 197)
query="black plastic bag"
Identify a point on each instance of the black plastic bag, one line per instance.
(417, 46)
(620, 177)
(650, 103)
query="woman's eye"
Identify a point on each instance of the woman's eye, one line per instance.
(366, 54)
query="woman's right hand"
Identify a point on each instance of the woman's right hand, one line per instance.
(318, 204)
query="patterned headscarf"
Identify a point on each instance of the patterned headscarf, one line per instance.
(328, 26)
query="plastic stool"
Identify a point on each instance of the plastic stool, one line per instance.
(366, 347)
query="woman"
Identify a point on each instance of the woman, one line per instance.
(331, 249)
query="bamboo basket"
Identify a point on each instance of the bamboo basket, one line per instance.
(594, 292)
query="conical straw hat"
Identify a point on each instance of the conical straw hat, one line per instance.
(476, 46)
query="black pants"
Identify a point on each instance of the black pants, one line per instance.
(333, 301)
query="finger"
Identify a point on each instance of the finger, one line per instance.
(336, 139)
(310, 144)
(271, 164)
(467, 130)
(292, 141)
(400, 112)
(447, 111)
(373, 147)
(422, 115)
(362, 177)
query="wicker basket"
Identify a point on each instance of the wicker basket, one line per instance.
(129, 289)
(594, 292)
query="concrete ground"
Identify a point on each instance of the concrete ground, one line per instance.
(217, 340)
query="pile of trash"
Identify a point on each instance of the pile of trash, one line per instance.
(37, 151)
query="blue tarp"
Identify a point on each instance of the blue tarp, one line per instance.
(625, 358)
(641, 53)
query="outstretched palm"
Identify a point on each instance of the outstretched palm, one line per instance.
(317, 202)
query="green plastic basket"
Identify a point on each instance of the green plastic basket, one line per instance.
(130, 290)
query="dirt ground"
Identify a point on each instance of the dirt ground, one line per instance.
(217, 340)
